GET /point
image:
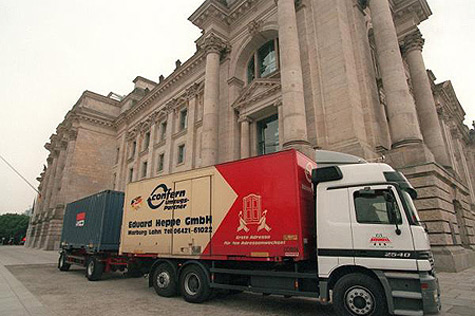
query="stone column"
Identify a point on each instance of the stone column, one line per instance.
(58, 174)
(121, 178)
(293, 109)
(192, 95)
(401, 110)
(281, 123)
(153, 128)
(170, 110)
(138, 145)
(425, 103)
(245, 134)
(213, 46)
(50, 185)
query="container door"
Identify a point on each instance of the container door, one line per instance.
(378, 243)
(192, 232)
(200, 221)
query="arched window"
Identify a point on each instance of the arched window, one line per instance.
(264, 62)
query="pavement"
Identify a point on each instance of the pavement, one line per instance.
(31, 285)
(15, 299)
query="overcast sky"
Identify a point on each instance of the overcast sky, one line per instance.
(53, 50)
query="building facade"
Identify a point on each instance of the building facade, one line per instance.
(267, 75)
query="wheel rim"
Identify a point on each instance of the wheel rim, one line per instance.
(90, 267)
(163, 280)
(192, 284)
(359, 300)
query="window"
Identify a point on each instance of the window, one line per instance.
(183, 119)
(264, 62)
(181, 154)
(371, 208)
(146, 141)
(161, 160)
(133, 148)
(131, 174)
(144, 169)
(268, 135)
(163, 133)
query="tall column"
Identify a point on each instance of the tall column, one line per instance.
(425, 103)
(153, 128)
(401, 110)
(170, 110)
(245, 134)
(281, 123)
(213, 46)
(293, 108)
(192, 95)
(122, 163)
(50, 185)
(64, 195)
(58, 174)
(138, 145)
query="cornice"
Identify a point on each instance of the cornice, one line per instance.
(419, 8)
(210, 9)
(186, 68)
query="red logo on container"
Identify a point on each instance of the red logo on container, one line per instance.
(252, 214)
(80, 219)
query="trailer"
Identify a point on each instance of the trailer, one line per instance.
(345, 232)
(91, 233)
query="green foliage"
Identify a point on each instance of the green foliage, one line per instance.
(13, 226)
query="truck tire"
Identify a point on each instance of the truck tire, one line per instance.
(94, 269)
(62, 264)
(164, 280)
(359, 295)
(194, 284)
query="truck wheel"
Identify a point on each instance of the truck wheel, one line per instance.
(359, 295)
(164, 280)
(194, 285)
(94, 269)
(62, 264)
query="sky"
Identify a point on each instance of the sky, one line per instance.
(53, 50)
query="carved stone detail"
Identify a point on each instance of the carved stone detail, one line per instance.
(255, 27)
(413, 41)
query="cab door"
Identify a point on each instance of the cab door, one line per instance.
(382, 239)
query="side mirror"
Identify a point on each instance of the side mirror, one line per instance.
(392, 213)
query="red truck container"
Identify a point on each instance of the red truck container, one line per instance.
(257, 209)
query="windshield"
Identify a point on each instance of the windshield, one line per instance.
(411, 207)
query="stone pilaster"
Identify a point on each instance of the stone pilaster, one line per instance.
(150, 163)
(245, 136)
(122, 163)
(58, 174)
(170, 110)
(213, 47)
(50, 184)
(425, 104)
(401, 110)
(293, 109)
(192, 95)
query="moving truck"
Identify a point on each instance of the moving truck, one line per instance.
(344, 232)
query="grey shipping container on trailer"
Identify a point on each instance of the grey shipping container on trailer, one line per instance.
(94, 222)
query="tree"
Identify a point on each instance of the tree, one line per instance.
(13, 227)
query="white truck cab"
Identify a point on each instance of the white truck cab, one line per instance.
(371, 247)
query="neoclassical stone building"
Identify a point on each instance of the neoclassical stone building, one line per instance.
(343, 75)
